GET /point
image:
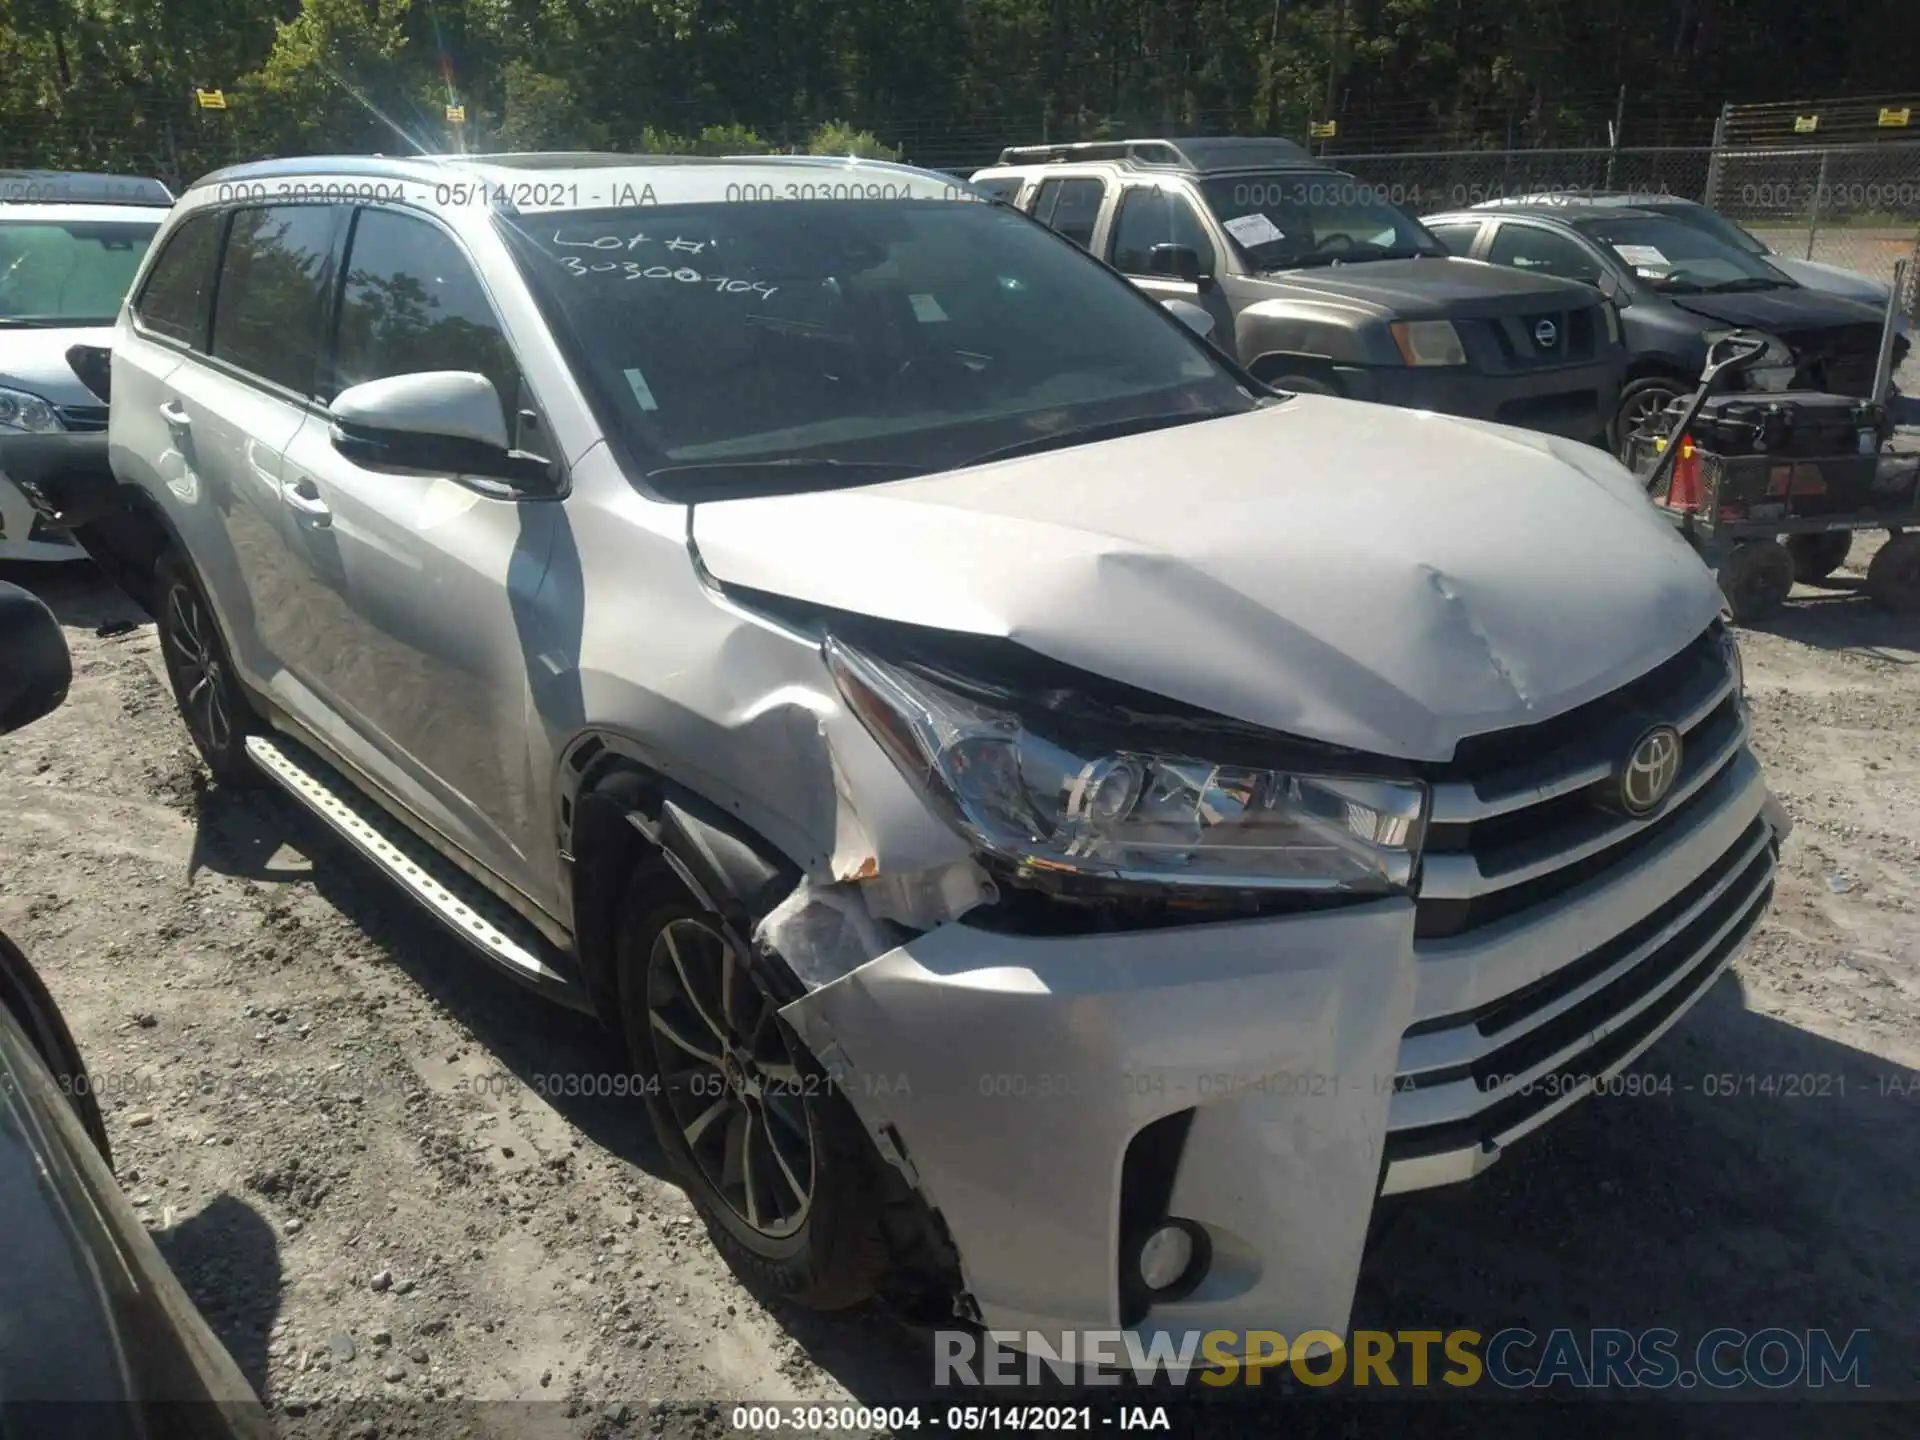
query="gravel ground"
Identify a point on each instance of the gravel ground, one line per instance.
(334, 1120)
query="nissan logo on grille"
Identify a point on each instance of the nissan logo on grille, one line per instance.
(1546, 334)
(1650, 769)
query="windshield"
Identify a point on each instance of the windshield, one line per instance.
(73, 272)
(1717, 225)
(1678, 258)
(819, 343)
(1283, 221)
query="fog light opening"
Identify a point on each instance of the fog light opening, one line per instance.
(1173, 1258)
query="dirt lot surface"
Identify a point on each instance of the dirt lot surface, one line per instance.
(333, 1117)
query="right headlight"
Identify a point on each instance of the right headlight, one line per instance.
(22, 410)
(1428, 342)
(1124, 815)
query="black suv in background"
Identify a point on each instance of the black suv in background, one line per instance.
(1678, 286)
(1315, 282)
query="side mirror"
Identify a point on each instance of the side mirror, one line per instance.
(1178, 262)
(38, 666)
(1194, 317)
(449, 421)
(94, 365)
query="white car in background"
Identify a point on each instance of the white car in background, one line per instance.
(1814, 274)
(69, 247)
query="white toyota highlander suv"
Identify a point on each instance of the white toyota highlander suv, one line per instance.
(1061, 827)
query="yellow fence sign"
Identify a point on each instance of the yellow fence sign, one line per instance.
(1902, 116)
(1805, 124)
(211, 99)
(1323, 129)
(456, 114)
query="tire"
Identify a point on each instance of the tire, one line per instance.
(1639, 402)
(750, 1134)
(1815, 557)
(217, 713)
(1893, 579)
(1756, 578)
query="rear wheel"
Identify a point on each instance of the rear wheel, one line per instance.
(204, 684)
(1815, 557)
(1756, 578)
(1893, 579)
(769, 1152)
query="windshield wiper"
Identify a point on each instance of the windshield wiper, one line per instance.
(39, 322)
(1089, 434)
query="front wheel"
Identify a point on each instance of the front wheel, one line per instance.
(1640, 402)
(1756, 577)
(201, 672)
(1893, 579)
(1815, 557)
(768, 1151)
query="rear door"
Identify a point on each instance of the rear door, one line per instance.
(1071, 205)
(411, 590)
(211, 385)
(1459, 236)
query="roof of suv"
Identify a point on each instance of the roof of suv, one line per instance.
(73, 187)
(1610, 200)
(1199, 155)
(1549, 210)
(513, 167)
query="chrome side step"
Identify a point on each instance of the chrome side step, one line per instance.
(451, 897)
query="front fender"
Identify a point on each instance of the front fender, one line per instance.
(1322, 331)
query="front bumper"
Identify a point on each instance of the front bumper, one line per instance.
(1575, 401)
(1324, 1058)
(66, 468)
(24, 536)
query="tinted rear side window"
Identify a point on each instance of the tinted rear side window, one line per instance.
(179, 288)
(412, 303)
(273, 285)
(1458, 237)
(1072, 207)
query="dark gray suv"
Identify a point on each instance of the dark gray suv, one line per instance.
(1316, 282)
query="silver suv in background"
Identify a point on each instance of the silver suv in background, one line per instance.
(69, 246)
(1318, 283)
(1060, 828)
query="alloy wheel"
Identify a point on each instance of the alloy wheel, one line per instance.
(1638, 411)
(729, 1078)
(203, 675)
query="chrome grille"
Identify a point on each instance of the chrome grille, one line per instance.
(1523, 862)
(82, 418)
(1514, 818)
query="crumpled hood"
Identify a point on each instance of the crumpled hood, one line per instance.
(1780, 310)
(36, 361)
(1365, 576)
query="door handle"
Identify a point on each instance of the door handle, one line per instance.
(176, 418)
(304, 496)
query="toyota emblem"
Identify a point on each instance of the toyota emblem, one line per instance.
(1546, 334)
(1652, 766)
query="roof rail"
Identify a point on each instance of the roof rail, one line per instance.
(69, 187)
(1199, 154)
(1163, 153)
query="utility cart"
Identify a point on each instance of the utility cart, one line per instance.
(1771, 485)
